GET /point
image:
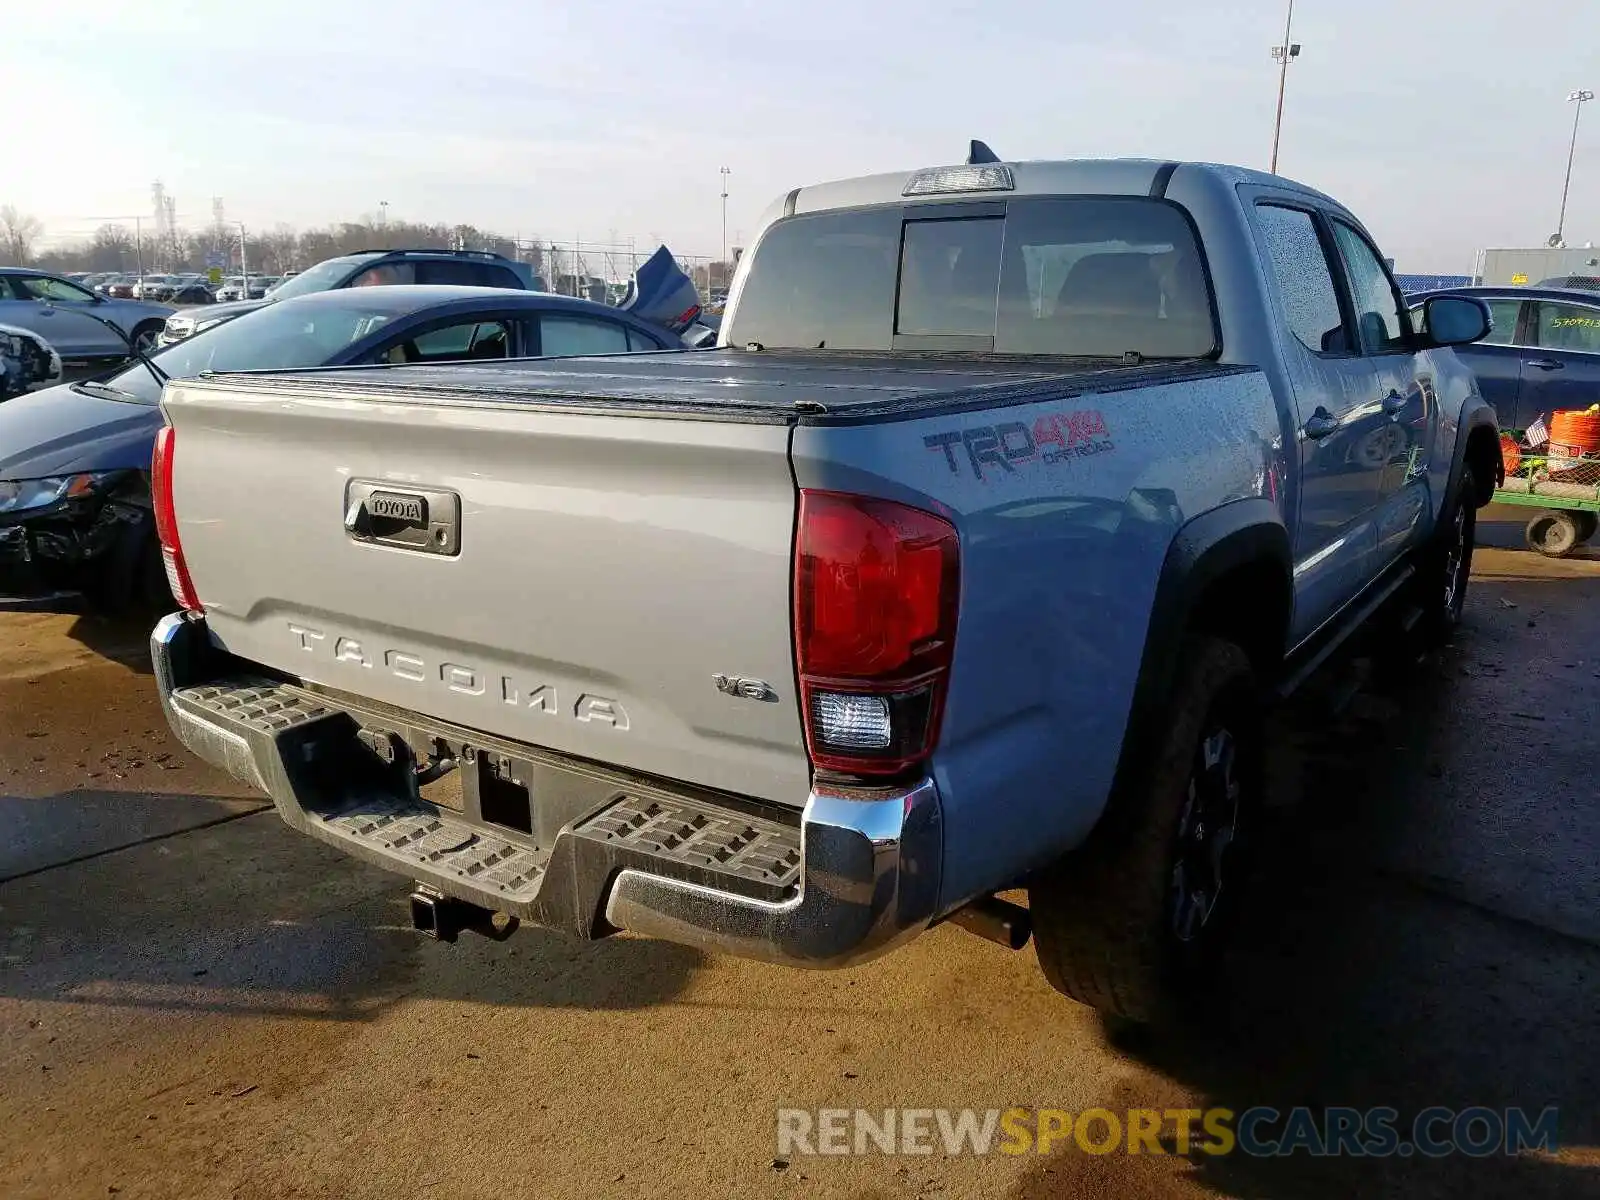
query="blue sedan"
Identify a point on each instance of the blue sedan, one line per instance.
(1543, 354)
(75, 460)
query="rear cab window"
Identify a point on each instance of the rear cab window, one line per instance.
(1072, 276)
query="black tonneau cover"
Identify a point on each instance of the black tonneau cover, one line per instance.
(769, 387)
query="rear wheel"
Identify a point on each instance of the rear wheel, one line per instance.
(1554, 534)
(1133, 922)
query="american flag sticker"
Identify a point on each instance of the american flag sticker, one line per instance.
(1536, 434)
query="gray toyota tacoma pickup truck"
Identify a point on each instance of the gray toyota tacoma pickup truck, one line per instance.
(966, 563)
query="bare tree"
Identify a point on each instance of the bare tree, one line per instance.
(111, 249)
(278, 249)
(18, 232)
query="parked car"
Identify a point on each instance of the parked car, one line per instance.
(122, 288)
(961, 565)
(72, 318)
(475, 268)
(27, 362)
(1543, 353)
(75, 460)
(154, 287)
(194, 292)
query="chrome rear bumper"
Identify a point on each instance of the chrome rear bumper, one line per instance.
(857, 875)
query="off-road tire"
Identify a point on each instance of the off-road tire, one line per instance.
(1104, 915)
(1444, 566)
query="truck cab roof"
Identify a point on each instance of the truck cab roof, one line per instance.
(1043, 177)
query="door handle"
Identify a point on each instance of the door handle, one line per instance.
(1393, 403)
(1320, 424)
(1546, 364)
(47, 311)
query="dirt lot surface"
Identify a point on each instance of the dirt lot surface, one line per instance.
(196, 1002)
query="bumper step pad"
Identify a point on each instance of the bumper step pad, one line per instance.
(260, 705)
(420, 834)
(755, 850)
(684, 838)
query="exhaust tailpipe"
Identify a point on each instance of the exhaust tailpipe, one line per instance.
(998, 920)
(443, 917)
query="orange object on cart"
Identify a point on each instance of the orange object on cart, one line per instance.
(1574, 450)
(1510, 453)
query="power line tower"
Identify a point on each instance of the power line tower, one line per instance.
(163, 227)
(174, 238)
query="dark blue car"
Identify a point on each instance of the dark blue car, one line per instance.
(1543, 354)
(75, 459)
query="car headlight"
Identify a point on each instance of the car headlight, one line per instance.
(20, 495)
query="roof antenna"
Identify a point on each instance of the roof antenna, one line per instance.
(980, 153)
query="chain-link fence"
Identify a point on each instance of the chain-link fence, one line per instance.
(600, 271)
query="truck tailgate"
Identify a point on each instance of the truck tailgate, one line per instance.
(599, 573)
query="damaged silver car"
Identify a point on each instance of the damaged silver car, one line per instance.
(27, 362)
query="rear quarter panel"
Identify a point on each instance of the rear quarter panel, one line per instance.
(1065, 509)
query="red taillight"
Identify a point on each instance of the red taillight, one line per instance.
(876, 587)
(167, 521)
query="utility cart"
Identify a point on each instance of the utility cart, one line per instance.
(1565, 489)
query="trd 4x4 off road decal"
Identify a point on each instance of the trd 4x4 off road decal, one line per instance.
(1053, 438)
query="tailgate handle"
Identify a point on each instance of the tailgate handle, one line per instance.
(423, 520)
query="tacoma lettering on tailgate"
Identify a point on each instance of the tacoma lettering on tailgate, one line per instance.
(461, 679)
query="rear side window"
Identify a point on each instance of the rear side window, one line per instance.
(1092, 276)
(1305, 280)
(1568, 327)
(642, 341)
(564, 337)
(385, 274)
(465, 274)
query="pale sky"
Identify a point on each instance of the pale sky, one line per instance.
(1442, 123)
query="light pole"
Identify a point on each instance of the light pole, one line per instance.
(383, 216)
(725, 174)
(1282, 54)
(1577, 99)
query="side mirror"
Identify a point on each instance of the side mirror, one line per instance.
(1455, 320)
